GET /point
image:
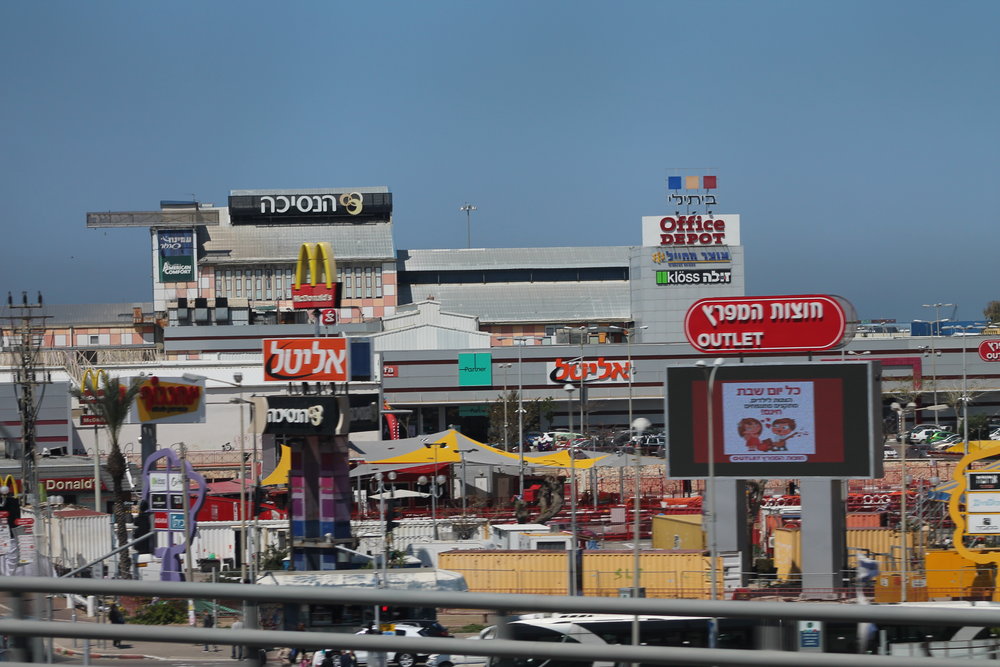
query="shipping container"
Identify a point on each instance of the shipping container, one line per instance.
(787, 553)
(532, 572)
(662, 574)
(865, 519)
(77, 536)
(951, 575)
(678, 531)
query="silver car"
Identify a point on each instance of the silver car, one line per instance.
(452, 660)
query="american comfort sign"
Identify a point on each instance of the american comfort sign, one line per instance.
(176, 251)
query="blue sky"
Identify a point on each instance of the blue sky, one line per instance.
(858, 140)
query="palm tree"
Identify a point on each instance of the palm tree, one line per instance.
(111, 401)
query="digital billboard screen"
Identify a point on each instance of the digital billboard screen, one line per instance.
(775, 420)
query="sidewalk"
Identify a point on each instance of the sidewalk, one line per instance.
(103, 649)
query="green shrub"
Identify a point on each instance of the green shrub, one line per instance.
(160, 612)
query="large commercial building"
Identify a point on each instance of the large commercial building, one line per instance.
(223, 281)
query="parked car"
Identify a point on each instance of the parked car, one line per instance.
(890, 452)
(402, 658)
(923, 433)
(453, 660)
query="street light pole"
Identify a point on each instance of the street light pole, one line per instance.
(640, 425)
(519, 341)
(572, 497)
(468, 209)
(935, 330)
(713, 539)
(904, 528)
(504, 367)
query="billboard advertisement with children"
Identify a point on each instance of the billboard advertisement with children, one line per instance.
(774, 420)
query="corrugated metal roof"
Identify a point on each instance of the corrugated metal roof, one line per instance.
(279, 243)
(512, 258)
(532, 302)
(86, 313)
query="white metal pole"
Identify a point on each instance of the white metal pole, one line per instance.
(965, 397)
(520, 419)
(573, 551)
(97, 470)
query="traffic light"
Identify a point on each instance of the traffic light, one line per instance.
(258, 499)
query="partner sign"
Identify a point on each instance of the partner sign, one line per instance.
(765, 324)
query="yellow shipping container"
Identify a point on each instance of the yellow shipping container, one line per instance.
(663, 574)
(888, 588)
(678, 531)
(533, 572)
(877, 543)
(950, 575)
(787, 553)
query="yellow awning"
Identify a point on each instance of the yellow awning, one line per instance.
(280, 474)
(446, 450)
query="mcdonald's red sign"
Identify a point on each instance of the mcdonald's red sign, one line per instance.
(316, 260)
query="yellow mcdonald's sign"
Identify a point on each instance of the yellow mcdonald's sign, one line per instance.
(91, 384)
(11, 483)
(315, 263)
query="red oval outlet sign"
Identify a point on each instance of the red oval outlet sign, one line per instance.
(798, 323)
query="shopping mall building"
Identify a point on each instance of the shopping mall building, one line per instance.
(449, 328)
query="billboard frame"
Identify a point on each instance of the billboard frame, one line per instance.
(849, 447)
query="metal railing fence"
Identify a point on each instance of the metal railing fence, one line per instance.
(21, 588)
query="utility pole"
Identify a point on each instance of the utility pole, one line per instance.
(27, 333)
(27, 328)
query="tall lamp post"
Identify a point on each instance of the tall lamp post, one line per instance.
(713, 540)
(628, 333)
(435, 482)
(904, 529)
(935, 331)
(468, 209)
(519, 341)
(639, 425)
(572, 494)
(573, 576)
(965, 384)
(504, 368)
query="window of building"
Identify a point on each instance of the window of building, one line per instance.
(95, 340)
(378, 282)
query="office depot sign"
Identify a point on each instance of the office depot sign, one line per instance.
(799, 323)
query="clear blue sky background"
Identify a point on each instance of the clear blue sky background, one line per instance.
(857, 139)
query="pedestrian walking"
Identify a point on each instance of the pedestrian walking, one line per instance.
(116, 617)
(237, 649)
(348, 659)
(208, 621)
(329, 658)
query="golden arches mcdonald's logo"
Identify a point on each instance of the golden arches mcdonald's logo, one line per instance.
(11, 483)
(91, 385)
(316, 263)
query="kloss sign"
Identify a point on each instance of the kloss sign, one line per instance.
(306, 360)
(739, 325)
(686, 277)
(690, 230)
